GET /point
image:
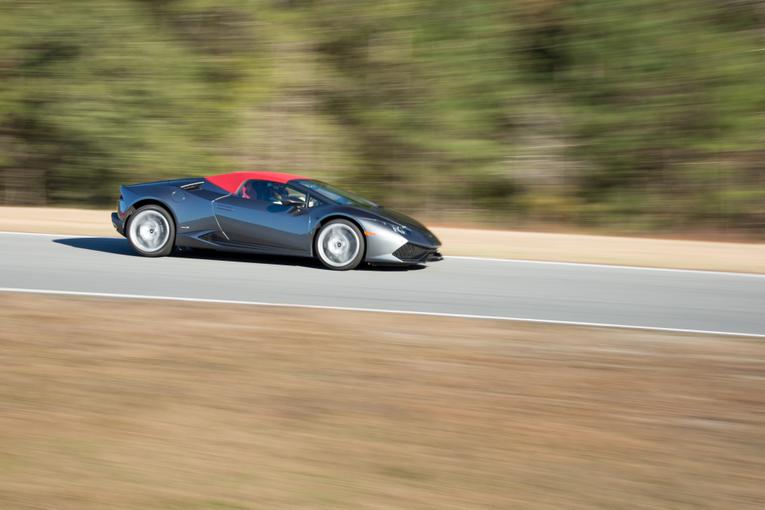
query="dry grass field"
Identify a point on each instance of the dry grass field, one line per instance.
(666, 253)
(161, 405)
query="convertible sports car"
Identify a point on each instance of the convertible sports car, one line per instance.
(269, 213)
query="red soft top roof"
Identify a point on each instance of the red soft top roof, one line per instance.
(231, 181)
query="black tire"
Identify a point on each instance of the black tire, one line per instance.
(343, 255)
(151, 216)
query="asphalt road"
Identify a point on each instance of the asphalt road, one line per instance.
(665, 299)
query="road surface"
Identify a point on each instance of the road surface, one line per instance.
(522, 290)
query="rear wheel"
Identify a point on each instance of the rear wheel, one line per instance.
(151, 231)
(340, 245)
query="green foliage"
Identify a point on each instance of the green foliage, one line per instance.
(95, 93)
(635, 114)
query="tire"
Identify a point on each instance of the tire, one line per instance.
(340, 245)
(151, 231)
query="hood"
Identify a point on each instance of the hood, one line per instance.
(395, 217)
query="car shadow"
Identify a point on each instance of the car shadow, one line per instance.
(120, 246)
(281, 260)
(113, 245)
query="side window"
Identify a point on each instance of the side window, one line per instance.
(248, 190)
(269, 191)
(292, 193)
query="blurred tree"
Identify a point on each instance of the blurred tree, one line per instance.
(432, 92)
(100, 92)
(663, 101)
(630, 114)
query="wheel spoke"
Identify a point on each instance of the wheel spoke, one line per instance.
(338, 244)
(149, 230)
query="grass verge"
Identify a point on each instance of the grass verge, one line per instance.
(142, 405)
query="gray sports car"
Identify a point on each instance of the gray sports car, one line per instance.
(269, 213)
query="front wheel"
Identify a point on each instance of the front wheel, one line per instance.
(340, 245)
(151, 231)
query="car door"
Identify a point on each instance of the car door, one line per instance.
(255, 217)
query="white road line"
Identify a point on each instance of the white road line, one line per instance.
(488, 259)
(609, 266)
(41, 234)
(372, 310)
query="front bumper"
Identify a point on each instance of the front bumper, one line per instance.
(384, 246)
(118, 224)
(411, 253)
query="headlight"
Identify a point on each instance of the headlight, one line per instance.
(399, 229)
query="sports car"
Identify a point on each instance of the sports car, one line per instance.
(269, 213)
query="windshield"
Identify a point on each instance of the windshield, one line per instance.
(334, 194)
